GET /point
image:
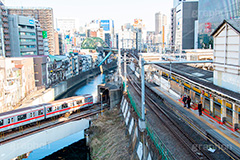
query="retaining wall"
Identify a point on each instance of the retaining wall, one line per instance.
(138, 139)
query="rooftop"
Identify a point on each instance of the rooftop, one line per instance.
(235, 23)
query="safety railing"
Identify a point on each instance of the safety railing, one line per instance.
(163, 151)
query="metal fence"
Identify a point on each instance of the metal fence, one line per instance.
(163, 151)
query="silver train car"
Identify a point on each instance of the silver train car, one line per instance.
(32, 114)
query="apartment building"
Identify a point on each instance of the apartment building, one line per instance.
(45, 18)
(23, 36)
(4, 29)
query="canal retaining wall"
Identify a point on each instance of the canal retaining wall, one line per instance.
(61, 88)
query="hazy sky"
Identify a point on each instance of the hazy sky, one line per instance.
(121, 12)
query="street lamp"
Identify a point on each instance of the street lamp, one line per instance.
(101, 93)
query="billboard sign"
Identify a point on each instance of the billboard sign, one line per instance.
(31, 21)
(44, 34)
(105, 24)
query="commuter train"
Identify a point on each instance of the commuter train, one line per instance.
(28, 115)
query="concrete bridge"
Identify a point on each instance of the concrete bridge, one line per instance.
(31, 142)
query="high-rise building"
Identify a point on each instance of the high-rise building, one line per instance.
(56, 43)
(23, 36)
(173, 28)
(210, 16)
(65, 24)
(186, 15)
(39, 38)
(5, 31)
(176, 2)
(43, 15)
(158, 23)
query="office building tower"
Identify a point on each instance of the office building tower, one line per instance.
(39, 38)
(176, 2)
(173, 28)
(65, 24)
(5, 38)
(210, 16)
(186, 15)
(45, 18)
(23, 36)
(158, 23)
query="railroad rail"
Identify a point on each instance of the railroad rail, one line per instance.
(177, 131)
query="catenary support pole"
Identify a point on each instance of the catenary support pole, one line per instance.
(143, 89)
(125, 71)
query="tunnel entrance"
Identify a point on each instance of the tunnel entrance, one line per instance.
(109, 94)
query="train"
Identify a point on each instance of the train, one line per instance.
(33, 114)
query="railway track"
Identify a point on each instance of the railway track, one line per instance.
(76, 116)
(190, 144)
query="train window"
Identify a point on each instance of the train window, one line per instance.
(40, 112)
(33, 114)
(49, 110)
(1, 122)
(79, 102)
(90, 99)
(12, 120)
(65, 105)
(8, 120)
(21, 117)
(30, 115)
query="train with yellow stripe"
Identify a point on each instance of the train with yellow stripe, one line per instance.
(33, 114)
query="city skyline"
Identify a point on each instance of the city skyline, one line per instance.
(108, 10)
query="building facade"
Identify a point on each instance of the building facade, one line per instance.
(66, 24)
(39, 38)
(173, 28)
(23, 35)
(210, 16)
(186, 15)
(4, 29)
(18, 80)
(44, 16)
(227, 55)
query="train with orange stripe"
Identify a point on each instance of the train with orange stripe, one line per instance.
(33, 114)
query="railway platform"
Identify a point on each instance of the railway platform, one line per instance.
(220, 132)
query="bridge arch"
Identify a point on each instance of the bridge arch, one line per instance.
(93, 43)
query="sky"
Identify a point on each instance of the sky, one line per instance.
(123, 11)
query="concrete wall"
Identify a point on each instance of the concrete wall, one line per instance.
(115, 97)
(138, 139)
(29, 143)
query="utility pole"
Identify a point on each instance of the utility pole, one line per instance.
(125, 72)
(119, 61)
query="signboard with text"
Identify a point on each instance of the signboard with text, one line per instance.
(105, 24)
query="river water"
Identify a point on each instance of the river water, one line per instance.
(74, 146)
